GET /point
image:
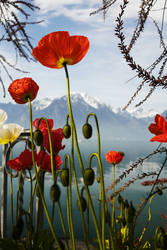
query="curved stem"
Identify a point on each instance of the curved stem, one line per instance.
(149, 218)
(80, 160)
(98, 131)
(37, 179)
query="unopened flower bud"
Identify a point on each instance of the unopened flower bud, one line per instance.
(83, 204)
(87, 130)
(38, 137)
(89, 176)
(55, 193)
(64, 176)
(67, 131)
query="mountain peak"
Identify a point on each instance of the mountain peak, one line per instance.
(92, 101)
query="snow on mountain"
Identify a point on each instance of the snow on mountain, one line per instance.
(138, 113)
(92, 101)
(42, 104)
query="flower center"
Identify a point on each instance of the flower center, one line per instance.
(62, 61)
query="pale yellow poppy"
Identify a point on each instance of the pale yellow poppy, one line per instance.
(10, 132)
(3, 117)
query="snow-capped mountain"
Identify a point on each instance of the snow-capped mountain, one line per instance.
(113, 123)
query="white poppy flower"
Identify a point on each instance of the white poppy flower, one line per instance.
(3, 117)
(10, 132)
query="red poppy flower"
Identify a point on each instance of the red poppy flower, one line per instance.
(42, 125)
(22, 89)
(160, 125)
(44, 161)
(114, 157)
(23, 161)
(59, 48)
(56, 138)
(160, 138)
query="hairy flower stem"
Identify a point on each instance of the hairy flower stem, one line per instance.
(69, 205)
(113, 205)
(11, 189)
(102, 188)
(38, 183)
(81, 164)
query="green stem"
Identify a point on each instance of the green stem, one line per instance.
(38, 183)
(50, 145)
(80, 162)
(11, 189)
(18, 191)
(62, 223)
(113, 205)
(69, 205)
(149, 218)
(77, 190)
(102, 191)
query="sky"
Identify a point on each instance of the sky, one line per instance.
(103, 72)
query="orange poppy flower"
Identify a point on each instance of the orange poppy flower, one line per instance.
(160, 125)
(59, 48)
(114, 157)
(22, 89)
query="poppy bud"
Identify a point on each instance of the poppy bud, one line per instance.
(89, 176)
(18, 229)
(83, 204)
(87, 130)
(55, 193)
(64, 176)
(38, 137)
(67, 131)
(131, 213)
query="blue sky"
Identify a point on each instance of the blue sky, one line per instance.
(103, 72)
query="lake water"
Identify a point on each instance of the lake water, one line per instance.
(132, 150)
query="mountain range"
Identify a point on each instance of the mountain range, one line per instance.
(113, 123)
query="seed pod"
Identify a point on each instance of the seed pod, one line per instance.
(67, 131)
(87, 130)
(55, 193)
(38, 137)
(83, 204)
(64, 176)
(18, 229)
(89, 176)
